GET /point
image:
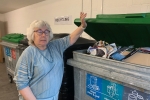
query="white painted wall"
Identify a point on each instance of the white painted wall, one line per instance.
(1, 17)
(17, 21)
(126, 6)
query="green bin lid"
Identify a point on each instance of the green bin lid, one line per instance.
(13, 37)
(122, 29)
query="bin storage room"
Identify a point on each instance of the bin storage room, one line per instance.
(109, 61)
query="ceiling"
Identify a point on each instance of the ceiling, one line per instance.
(10, 5)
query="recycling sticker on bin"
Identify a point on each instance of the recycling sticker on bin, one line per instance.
(13, 53)
(101, 89)
(7, 51)
(132, 94)
(93, 86)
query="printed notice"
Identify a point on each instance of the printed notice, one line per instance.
(63, 20)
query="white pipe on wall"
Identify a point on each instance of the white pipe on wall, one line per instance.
(91, 9)
(102, 7)
(82, 6)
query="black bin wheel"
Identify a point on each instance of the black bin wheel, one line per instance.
(10, 78)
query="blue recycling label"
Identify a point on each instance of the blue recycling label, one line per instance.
(111, 90)
(93, 86)
(7, 51)
(101, 89)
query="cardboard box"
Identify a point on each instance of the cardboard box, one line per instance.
(139, 58)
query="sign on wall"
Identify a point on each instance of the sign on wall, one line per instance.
(63, 20)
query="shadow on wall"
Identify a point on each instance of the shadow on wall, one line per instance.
(5, 27)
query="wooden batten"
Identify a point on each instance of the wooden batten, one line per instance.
(1, 54)
(2, 33)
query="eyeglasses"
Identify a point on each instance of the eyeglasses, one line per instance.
(40, 32)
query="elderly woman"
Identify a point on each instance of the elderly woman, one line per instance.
(39, 70)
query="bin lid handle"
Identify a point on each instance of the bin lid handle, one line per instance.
(142, 16)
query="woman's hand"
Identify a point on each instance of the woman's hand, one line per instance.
(76, 33)
(82, 19)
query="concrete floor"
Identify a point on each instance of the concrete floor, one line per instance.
(8, 90)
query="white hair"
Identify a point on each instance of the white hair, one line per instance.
(37, 24)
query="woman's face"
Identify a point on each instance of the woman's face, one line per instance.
(41, 37)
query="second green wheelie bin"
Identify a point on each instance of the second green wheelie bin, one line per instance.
(12, 51)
